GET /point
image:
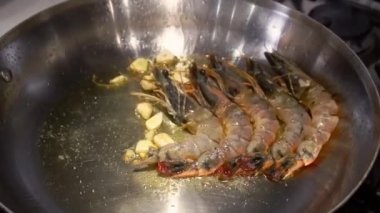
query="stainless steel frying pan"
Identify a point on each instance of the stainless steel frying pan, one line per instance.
(61, 138)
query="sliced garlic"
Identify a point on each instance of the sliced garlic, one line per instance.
(183, 65)
(154, 122)
(180, 77)
(166, 57)
(129, 156)
(119, 80)
(144, 109)
(143, 155)
(149, 77)
(140, 65)
(147, 85)
(114, 83)
(149, 134)
(162, 139)
(304, 83)
(142, 147)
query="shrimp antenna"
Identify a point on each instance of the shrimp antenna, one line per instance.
(150, 98)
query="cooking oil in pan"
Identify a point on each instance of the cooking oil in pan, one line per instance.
(82, 144)
(82, 147)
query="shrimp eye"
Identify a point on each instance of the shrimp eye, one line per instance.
(271, 172)
(208, 164)
(307, 153)
(234, 163)
(257, 161)
(253, 162)
(287, 163)
(172, 167)
(178, 167)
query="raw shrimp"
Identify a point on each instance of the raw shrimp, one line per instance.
(237, 129)
(261, 113)
(206, 128)
(296, 123)
(317, 99)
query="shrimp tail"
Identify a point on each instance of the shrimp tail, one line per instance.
(251, 66)
(196, 94)
(225, 78)
(202, 82)
(263, 80)
(180, 103)
(277, 62)
(289, 71)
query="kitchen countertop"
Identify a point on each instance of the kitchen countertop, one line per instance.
(13, 12)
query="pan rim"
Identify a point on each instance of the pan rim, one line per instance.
(365, 75)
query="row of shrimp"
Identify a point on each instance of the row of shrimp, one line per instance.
(244, 120)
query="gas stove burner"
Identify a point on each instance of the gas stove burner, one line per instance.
(345, 21)
(297, 4)
(354, 26)
(364, 46)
